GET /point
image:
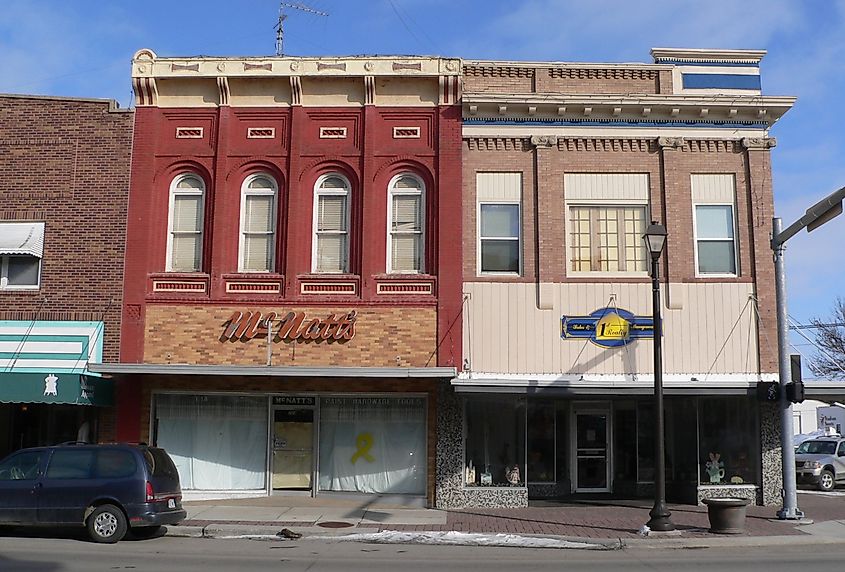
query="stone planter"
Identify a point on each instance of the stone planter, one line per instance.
(727, 515)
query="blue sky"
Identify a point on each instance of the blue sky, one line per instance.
(83, 48)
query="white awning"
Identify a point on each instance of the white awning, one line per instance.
(22, 238)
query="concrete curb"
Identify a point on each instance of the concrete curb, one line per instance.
(314, 533)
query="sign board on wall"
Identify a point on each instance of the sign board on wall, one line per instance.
(607, 327)
(298, 326)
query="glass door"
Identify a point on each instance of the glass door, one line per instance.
(292, 449)
(592, 469)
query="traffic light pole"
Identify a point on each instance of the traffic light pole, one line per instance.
(790, 510)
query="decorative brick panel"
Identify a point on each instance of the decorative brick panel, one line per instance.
(189, 132)
(260, 133)
(384, 337)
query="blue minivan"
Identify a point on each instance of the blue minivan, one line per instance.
(106, 488)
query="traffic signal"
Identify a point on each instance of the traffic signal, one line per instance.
(768, 391)
(795, 389)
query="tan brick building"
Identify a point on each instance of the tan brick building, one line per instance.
(565, 164)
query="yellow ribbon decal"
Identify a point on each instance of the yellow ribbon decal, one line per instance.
(364, 442)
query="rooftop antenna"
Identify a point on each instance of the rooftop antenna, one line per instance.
(280, 27)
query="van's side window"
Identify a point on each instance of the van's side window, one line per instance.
(115, 464)
(23, 466)
(70, 464)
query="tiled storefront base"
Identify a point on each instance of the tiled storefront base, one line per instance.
(748, 492)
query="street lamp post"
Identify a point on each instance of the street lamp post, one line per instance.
(655, 240)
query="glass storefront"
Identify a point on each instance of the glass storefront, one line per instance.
(609, 445)
(373, 445)
(365, 444)
(218, 442)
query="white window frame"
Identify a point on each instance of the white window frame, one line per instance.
(170, 209)
(696, 239)
(245, 192)
(4, 274)
(602, 203)
(318, 192)
(479, 238)
(393, 191)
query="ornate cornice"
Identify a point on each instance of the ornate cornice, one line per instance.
(762, 143)
(544, 141)
(670, 142)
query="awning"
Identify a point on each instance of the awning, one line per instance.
(825, 390)
(609, 385)
(22, 238)
(58, 388)
(270, 371)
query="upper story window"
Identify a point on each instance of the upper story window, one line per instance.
(405, 251)
(331, 224)
(258, 224)
(21, 250)
(607, 215)
(185, 225)
(499, 202)
(713, 198)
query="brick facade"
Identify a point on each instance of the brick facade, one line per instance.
(384, 337)
(65, 162)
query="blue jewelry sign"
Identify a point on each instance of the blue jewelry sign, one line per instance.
(607, 327)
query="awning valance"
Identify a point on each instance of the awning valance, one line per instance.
(22, 238)
(58, 388)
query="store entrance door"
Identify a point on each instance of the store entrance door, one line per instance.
(592, 466)
(292, 449)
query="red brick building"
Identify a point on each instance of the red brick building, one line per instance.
(293, 270)
(64, 186)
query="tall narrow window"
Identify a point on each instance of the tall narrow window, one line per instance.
(405, 244)
(713, 197)
(184, 249)
(499, 238)
(331, 225)
(258, 224)
(714, 239)
(499, 205)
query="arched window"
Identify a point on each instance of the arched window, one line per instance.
(331, 224)
(185, 224)
(258, 224)
(406, 225)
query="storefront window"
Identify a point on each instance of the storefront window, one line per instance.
(217, 442)
(541, 443)
(728, 450)
(373, 444)
(645, 442)
(495, 442)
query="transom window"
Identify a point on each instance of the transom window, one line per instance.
(21, 250)
(331, 224)
(405, 243)
(258, 224)
(184, 246)
(607, 238)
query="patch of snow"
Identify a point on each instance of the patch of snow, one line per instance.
(464, 539)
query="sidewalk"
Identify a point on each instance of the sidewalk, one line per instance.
(596, 520)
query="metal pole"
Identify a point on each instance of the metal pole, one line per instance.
(659, 514)
(790, 510)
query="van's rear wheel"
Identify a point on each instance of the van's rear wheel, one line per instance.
(107, 524)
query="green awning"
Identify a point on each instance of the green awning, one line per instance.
(59, 388)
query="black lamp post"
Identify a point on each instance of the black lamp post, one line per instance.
(655, 240)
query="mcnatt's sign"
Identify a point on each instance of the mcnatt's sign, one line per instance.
(290, 326)
(607, 327)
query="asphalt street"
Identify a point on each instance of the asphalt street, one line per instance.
(72, 554)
